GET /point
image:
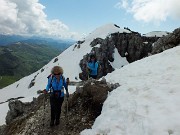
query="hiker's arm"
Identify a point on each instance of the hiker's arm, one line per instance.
(87, 65)
(66, 88)
(65, 85)
(95, 67)
(48, 85)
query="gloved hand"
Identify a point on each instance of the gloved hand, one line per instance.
(67, 94)
(67, 81)
(89, 70)
(44, 91)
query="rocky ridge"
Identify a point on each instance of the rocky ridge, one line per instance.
(84, 106)
(130, 45)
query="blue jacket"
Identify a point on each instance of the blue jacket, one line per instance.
(57, 86)
(93, 67)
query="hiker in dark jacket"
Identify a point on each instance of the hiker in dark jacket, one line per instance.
(56, 84)
(93, 67)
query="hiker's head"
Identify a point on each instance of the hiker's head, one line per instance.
(92, 58)
(57, 70)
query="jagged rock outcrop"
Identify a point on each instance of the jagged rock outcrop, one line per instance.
(150, 39)
(18, 114)
(91, 97)
(129, 45)
(104, 54)
(167, 42)
(18, 109)
(133, 46)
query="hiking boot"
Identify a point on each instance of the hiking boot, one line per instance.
(57, 122)
(51, 123)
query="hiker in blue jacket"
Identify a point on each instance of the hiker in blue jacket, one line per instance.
(92, 66)
(56, 85)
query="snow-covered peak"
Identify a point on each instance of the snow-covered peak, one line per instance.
(105, 30)
(156, 34)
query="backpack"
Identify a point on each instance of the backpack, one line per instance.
(52, 76)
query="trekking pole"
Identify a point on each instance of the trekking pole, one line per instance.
(87, 73)
(67, 102)
(44, 105)
(67, 105)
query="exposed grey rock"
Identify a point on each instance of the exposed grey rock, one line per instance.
(39, 92)
(74, 47)
(114, 86)
(55, 60)
(167, 42)
(79, 46)
(32, 83)
(131, 44)
(42, 70)
(91, 96)
(103, 80)
(80, 42)
(96, 41)
(19, 110)
(79, 89)
(17, 85)
(116, 26)
(16, 109)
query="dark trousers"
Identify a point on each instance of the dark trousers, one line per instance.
(56, 103)
(93, 76)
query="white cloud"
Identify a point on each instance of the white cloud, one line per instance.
(151, 10)
(122, 4)
(27, 17)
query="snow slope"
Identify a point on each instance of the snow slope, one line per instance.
(119, 61)
(69, 60)
(156, 33)
(147, 102)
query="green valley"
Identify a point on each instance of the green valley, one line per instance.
(21, 59)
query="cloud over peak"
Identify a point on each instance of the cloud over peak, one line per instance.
(151, 10)
(27, 17)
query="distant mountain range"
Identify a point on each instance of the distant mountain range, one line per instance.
(11, 39)
(21, 56)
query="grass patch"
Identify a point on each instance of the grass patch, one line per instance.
(7, 80)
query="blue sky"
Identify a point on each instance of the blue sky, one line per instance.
(71, 19)
(83, 16)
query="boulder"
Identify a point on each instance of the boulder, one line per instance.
(16, 109)
(19, 110)
(91, 96)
